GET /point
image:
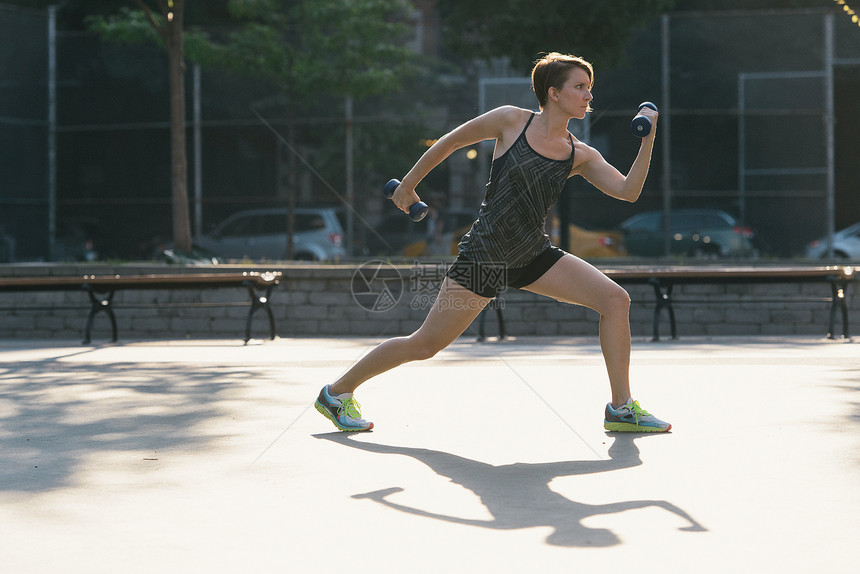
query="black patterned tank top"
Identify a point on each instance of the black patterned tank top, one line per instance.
(523, 187)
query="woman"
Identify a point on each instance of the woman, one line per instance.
(507, 246)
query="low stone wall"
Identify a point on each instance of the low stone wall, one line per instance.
(381, 300)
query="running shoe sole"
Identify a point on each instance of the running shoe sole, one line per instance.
(632, 427)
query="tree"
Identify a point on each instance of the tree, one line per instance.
(313, 48)
(166, 21)
(713, 5)
(522, 29)
(349, 48)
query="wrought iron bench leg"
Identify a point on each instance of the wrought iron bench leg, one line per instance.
(663, 300)
(259, 302)
(838, 300)
(98, 304)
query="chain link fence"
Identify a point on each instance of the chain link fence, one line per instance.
(759, 116)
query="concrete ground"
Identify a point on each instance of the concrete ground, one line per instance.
(207, 456)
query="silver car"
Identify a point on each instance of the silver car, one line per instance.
(846, 244)
(262, 234)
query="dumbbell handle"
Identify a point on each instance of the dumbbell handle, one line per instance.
(641, 125)
(417, 211)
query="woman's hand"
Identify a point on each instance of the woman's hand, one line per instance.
(404, 197)
(652, 115)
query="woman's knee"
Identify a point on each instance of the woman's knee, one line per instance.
(422, 348)
(617, 302)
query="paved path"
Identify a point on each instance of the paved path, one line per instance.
(207, 456)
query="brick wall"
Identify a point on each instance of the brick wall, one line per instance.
(329, 301)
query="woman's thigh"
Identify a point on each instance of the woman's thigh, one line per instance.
(573, 280)
(453, 311)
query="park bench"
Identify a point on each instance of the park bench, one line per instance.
(101, 290)
(664, 279)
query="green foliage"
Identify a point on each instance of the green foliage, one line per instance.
(524, 29)
(254, 49)
(130, 25)
(334, 47)
(711, 5)
(359, 44)
(254, 9)
(126, 26)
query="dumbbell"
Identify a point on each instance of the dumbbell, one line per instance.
(417, 211)
(641, 125)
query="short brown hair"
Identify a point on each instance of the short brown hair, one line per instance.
(551, 71)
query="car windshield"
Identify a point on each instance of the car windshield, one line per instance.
(271, 224)
(240, 226)
(712, 220)
(645, 222)
(306, 222)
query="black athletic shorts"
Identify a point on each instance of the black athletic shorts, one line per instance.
(488, 279)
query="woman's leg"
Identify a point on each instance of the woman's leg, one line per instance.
(453, 311)
(572, 280)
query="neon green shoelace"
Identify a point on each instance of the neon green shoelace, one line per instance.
(351, 407)
(639, 411)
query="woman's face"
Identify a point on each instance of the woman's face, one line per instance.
(574, 95)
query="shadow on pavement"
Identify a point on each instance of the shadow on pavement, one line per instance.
(518, 495)
(55, 416)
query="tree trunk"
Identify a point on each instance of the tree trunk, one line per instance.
(179, 162)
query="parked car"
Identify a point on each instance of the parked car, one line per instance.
(582, 242)
(846, 244)
(262, 234)
(694, 232)
(590, 243)
(399, 235)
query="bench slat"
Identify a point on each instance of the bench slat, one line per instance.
(105, 282)
(731, 274)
